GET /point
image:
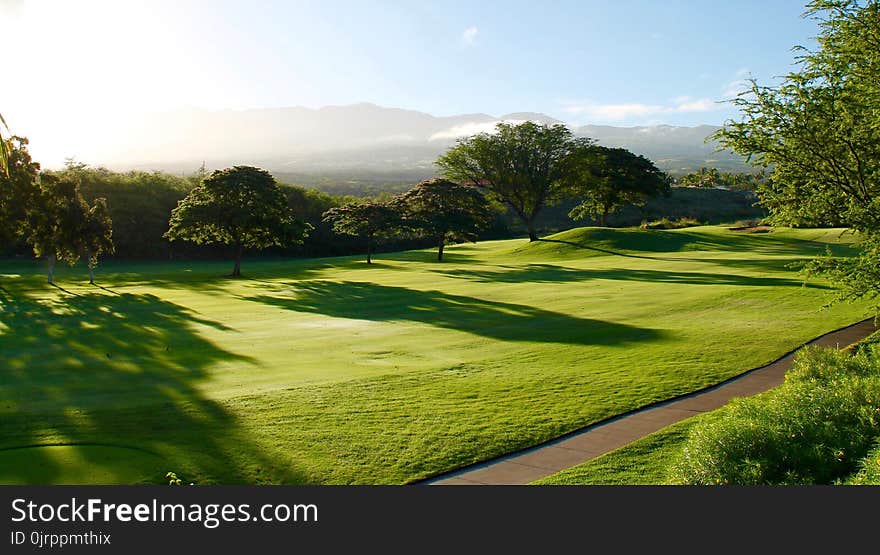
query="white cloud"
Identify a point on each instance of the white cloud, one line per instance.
(469, 36)
(635, 110)
(470, 128)
(739, 84)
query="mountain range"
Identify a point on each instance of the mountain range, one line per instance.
(364, 137)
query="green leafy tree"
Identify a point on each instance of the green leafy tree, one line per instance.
(242, 207)
(62, 226)
(18, 188)
(612, 178)
(368, 220)
(445, 211)
(525, 166)
(817, 130)
(96, 237)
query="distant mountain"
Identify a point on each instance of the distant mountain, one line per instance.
(359, 137)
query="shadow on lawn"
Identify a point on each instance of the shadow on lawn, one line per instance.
(498, 320)
(549, 273)
(615, 241)
(116, 370)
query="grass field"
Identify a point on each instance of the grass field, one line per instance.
(332, 371)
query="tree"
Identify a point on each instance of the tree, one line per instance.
(445, 211)
(525, 166)
(62, 226)
(96, 237)
(4, 149)
(817, 131)
(367, 220)
(611, 178)
(242, 207)
(18, 187)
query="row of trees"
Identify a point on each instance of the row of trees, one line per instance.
(437, 209)
(525, 167)
(710, 178)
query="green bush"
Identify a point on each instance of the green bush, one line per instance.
(814, 429)
(869, 471)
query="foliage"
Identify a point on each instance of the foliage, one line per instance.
(240, 206)
(712, 178)
(445, 211)
(140, 205)
(62, 226)
(818, 131)
(18, 188)
(4, 149)
(869, 469)
(857, 277)
(814, 429)
(368, 220)
(526, 166)
(611, 178)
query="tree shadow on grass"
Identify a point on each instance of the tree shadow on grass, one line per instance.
(549, 273)
(115, 371)
(627, 243)
(493, 319)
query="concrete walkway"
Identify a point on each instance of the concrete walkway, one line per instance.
(587, 443)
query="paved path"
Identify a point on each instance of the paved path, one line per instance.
(587, 443)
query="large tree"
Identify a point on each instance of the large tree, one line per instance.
(18, 188)
(611, 178)
(525, 166)
(445, 211)
(63, 227)
(818, 132)
(368, 220)
(242, 207)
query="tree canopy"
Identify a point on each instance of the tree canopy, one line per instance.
(62, 226)
(18, 188)
(242, 207)
(611, 178)
(445, 211)
(368, 220)
(525, 166)
(818, 133)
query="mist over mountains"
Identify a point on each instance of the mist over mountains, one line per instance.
(340, 140)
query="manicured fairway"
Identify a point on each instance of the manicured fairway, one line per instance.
(332, 371)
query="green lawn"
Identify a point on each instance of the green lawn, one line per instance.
(643, 462)
(332, 371)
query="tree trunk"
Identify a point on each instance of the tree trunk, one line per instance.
(52, 260)
(236, 272)
(369, 251)
(91, 264)
(532, 235)
(605, 218)
(440, 250)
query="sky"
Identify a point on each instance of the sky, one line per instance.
(83, 65)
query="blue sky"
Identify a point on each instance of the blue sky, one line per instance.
(623, 62)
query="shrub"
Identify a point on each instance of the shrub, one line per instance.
(869, 469)
(666, 223)
(814, 429)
